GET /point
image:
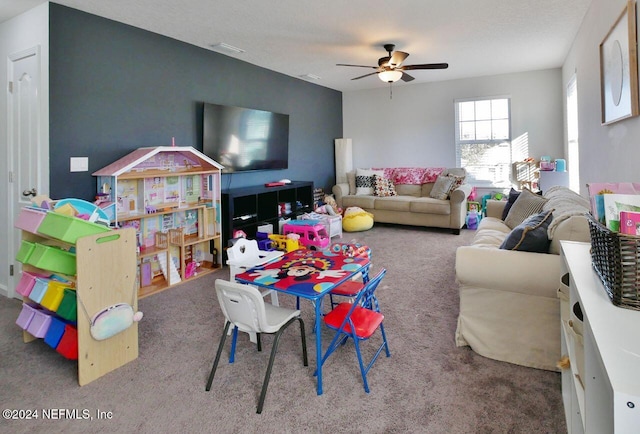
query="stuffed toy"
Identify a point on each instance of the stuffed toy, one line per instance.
(329, 200)
(356, 219)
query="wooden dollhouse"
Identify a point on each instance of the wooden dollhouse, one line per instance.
(171, 196)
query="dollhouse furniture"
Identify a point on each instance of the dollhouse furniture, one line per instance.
(171, 196)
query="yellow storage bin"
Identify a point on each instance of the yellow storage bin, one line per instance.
(68, 229)
(54, 295)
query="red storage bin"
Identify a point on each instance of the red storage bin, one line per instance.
(68, 345)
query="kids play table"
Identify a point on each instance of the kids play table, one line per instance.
(311, 274)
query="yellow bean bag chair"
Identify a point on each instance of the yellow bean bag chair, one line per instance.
(356, 219)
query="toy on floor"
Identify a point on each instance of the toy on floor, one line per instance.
(472, 220)
(328, 206)
(313, 234)
(286, 243)
(356, 219)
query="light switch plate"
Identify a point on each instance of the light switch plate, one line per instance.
(79, 164)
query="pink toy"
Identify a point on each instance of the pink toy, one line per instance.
(313, 234)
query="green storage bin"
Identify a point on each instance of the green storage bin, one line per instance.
(68, 305)
(67, 228)
(25, 252)
(53, 259)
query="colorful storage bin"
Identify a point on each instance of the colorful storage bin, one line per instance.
(53, 259)
(39, 323)
(68, 345)
(68, 308)
(55, 332)
(25, 251)
(68, 229)
(39, 289)
(26, 316)
(25, 285)
(30, 219)
(52, 298)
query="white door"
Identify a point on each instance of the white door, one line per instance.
(25, 141)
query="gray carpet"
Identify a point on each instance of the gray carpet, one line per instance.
(428, 385)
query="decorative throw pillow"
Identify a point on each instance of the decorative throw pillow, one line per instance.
(513, 195)
(530, 235)
(441, 187)
(365, 182)
(351, 180)
(457, 182)
(528, 203)
(383, 186)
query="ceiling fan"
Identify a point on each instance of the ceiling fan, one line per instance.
(390, 67)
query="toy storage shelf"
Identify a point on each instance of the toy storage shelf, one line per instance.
(601, 388)
(160, 190)
(105, 275)
(246, 208)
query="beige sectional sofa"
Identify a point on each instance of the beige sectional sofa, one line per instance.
(509, 309)
(412, 204)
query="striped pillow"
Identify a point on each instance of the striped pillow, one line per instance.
(527, 204)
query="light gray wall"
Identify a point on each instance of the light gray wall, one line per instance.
(20, 33)
(416, 127)
(607, 153)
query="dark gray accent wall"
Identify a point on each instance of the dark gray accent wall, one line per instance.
(115, 88)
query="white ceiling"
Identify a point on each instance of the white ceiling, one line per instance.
(298, 37)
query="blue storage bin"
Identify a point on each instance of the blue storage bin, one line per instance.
(55, 332)
(39, 289)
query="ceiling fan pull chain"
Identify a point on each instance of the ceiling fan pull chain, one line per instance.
(390, 91)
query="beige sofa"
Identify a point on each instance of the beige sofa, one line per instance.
(412, 205)
(509, 309)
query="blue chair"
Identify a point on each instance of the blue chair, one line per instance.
(359, 321)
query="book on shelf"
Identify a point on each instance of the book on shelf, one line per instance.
(614, 204)
(630, 222)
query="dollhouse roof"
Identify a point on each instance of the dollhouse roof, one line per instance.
(137, 159)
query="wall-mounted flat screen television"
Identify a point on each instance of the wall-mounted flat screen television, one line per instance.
(244, 139)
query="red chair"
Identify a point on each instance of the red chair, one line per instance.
(359, 321)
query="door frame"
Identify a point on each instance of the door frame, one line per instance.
(41, 152)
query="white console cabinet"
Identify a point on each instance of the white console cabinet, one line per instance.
(601, 394)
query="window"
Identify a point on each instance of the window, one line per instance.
(483, 140)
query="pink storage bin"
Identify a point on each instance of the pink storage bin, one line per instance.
(27, 282)
(30, 218)
(39, 323)
(26, 316)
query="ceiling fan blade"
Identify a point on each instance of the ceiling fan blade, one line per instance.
(406, 77)
(363, 76)
(425, 66)
(398, 57)
(357, 66)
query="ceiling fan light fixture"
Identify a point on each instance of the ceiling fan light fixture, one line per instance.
(390, 76)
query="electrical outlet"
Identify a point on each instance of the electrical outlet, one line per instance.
(79, 164)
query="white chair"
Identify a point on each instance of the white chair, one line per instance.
(244, 308)
(243, 255)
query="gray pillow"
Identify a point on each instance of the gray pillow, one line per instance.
(530, 235)
(528, 203)
(442, 187)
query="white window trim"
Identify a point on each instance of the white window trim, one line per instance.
(458, 141)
